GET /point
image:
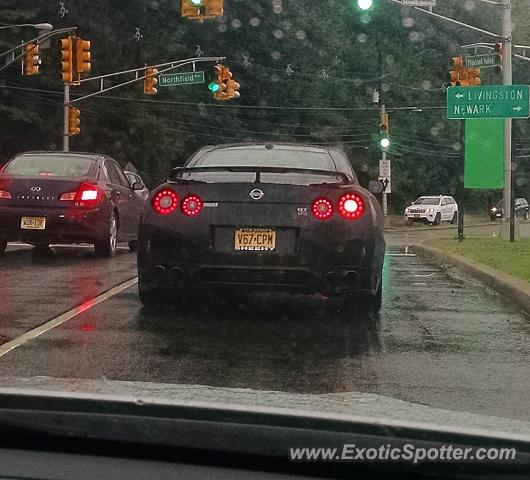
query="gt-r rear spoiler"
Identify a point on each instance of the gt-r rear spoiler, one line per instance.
(344, 178)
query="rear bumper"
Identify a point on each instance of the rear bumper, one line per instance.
(421, 217)
(331, 266)
(63, 225)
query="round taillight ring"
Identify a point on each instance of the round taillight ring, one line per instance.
(191, 205)
(322, 208)
(165, 202)
(351, 206)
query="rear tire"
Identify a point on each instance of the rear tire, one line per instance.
(133, 245)
(107, 247)
(454, 219)
(3, 246)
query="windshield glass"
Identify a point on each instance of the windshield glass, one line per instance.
(50, 166)
(158, 232)
(427, 201)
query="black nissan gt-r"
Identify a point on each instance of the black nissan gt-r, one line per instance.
(262, 216)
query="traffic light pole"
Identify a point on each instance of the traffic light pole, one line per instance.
(66, 136)
(507, 80)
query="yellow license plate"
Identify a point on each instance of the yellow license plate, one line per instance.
(255, 239)
(33, 223)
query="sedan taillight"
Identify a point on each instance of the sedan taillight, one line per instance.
(165, 202)
(191, 205)
(322, 208)
(351, 206)
(87, 196)
(4, 195)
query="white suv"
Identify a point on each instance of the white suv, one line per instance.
(432, 210)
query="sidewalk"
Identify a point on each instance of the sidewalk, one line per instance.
(510, 287)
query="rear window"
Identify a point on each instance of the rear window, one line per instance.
(262, 157)
(427, 201)
(73, 166)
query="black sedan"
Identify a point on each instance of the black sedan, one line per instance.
(259, 217)
(56, 197)
(521, 208)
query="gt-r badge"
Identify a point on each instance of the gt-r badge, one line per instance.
(303, 212)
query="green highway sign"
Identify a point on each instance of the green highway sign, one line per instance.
(175, 79)
(490, 101)
(482, 61)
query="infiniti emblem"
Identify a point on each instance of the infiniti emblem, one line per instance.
(256, 194)
(36, 189)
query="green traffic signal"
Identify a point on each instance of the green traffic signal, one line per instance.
(365, 4)
(196, 3)
(385, 142)
(214, 87)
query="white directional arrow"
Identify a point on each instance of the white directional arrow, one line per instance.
(518, 108)
(459, 95)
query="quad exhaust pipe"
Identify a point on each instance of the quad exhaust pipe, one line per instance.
(350, 280)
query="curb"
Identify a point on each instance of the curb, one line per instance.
(510, 287)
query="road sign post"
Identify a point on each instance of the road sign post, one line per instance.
(491, 101)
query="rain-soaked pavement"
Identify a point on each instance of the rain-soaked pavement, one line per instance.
(441, 339)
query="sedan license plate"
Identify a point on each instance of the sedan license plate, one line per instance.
(416, 215)
(33, 223)
(255, 239)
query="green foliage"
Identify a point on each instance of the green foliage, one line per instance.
(307, 73)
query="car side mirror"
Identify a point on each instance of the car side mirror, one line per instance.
(376, 186)
(137, 186)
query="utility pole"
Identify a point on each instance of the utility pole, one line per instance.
(507, 80)
(66, 118)
(383, 157)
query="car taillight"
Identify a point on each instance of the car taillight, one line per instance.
(165, 202)
(191, 205)
(4, 195)
(322, 208)
(87, 196)
(351, 206)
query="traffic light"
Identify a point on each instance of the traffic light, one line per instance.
(472, 77)
(73, 121)
(232, 88)
(214, 8)
(365, 4)
(498, 58)
(82, 56)
(457, 67)
(218, 87)
(150, 81)
(67, 59)
(384, 138)
(192, 8)
(31, 59)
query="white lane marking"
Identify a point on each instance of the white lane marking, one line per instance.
(36, 332)
(400, 255)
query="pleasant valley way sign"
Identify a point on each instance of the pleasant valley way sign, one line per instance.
(491, 101)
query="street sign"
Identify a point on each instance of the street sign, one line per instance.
(419, 3)
(482, 61)
(491, 101)
(387, 182)
(176, 79)
(384, 168)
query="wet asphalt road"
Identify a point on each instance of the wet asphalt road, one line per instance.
(440, 340)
